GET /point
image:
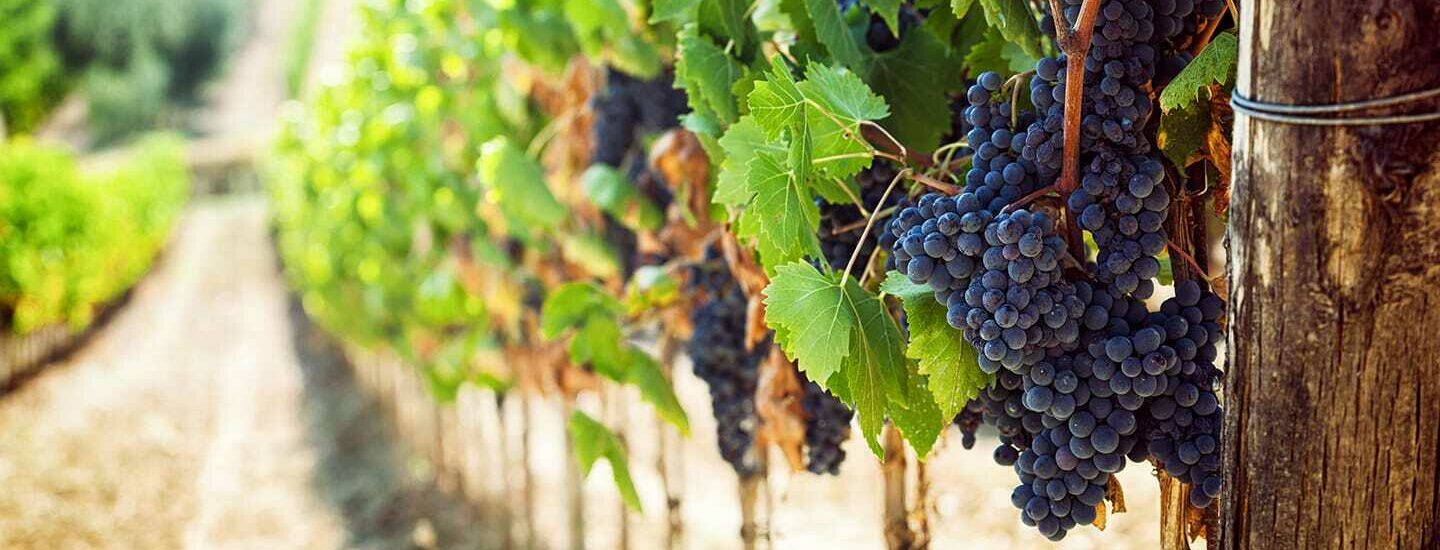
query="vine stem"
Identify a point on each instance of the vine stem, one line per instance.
(935, 184)
(861, 223)
(1027, 199)
(869, 223)
(1177, 250)
(884, 142)
(1206, 35)
(1075, 43)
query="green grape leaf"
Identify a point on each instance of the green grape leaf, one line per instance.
(729, 21)
(831, 30)
(838, 101)
(615, 195)
(517, 183)
(644, 373)
(875, 368)
(917, 416)
(960, 35)
(805, 307)
(915, 78)
(651, 287)
(570, 304)
(710, 75)
(940, 350)
(889, 10)
(776, 103)
(603, 29)
(591, 253)
(783, 216)
(741, 143)
(961, 7)
(592, 441)
(1183, 131)
(1016, 23)
(842, 93)
(635, 56)
(1214, 65)
(806, 46)
(831, 328)
(672, 10)
(988, 55)
(598, 344)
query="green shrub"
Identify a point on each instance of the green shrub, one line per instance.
(127, 99)
(30, 82)
(70, 241)
(145, 53)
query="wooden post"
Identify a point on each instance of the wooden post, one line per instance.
(528, 504)
(575, 483)
(749, 497)
(1332, 433)
(672, 471)
(898, 535)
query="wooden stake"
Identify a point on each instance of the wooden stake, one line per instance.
(898, 535)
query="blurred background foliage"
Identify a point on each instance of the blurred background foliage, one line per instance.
(30, 71)
(133, 61)
(72, 239)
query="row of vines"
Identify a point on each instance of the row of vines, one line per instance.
(900, 216)
(74, 240)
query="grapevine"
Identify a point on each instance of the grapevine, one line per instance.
(974, 198)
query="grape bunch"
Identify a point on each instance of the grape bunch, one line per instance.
(623, 109)
(718, 353)
(1123, 200)
(627, 106)
(878, 35)
(1185, 422)
(1086, 377)
(841, 225)
(1020, 306)
(999, 174)
(827, 426)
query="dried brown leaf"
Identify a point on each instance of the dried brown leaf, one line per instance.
(777, 399)
(742, 262)
(1173, 496)
(1116, 495)
(679, 158)
(1217, 146)
(755, 329)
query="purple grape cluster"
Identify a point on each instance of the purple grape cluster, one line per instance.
(1019, 305)
(719, 356)
(827, 426)
(1086, 377)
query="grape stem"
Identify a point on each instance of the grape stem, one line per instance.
(884, 142)
(1014, 84)
(1027, 199)
(1177, 250)
(933, 183)
(861, 223)
(1075, 43)
(1206, 35)
(869, 223)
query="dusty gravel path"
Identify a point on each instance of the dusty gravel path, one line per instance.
(178, 425)
(209, 415)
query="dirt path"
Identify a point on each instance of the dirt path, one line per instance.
(207, 416)
(178, 424)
